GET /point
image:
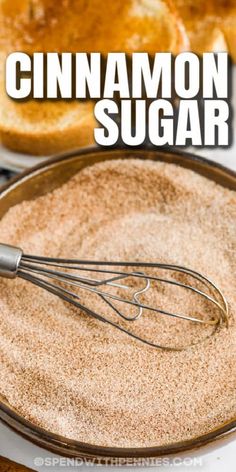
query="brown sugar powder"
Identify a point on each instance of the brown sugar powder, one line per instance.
(80, 378)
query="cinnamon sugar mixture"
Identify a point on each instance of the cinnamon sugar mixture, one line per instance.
(81, 378)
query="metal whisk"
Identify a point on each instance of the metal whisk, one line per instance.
(63, 277)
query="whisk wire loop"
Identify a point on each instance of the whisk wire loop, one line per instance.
(67, 278)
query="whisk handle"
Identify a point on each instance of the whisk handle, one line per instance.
(10, 258)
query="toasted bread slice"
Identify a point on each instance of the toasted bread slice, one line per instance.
(151, 26)
(74, 25)
(45, 127)
(211, 25)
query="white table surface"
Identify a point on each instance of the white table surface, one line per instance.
(213, 458)
(219, 458)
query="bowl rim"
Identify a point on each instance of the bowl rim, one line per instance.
(70, 447)
(93, 149)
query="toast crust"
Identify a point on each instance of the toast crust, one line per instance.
(88, 26)
(9, 466)
(78, 133)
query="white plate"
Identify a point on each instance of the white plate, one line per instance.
(17, 162)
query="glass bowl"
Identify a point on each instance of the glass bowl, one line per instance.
(43, 179)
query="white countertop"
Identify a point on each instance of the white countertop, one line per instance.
(19, 450)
